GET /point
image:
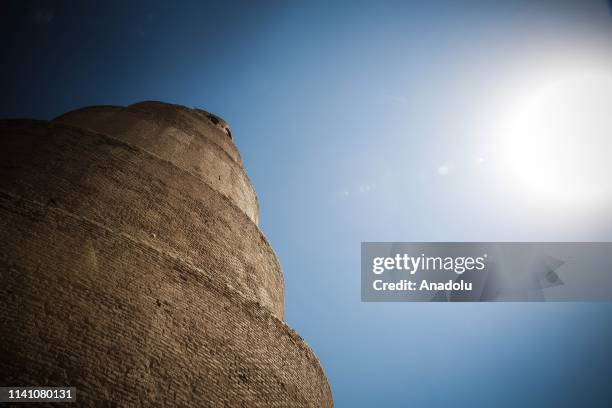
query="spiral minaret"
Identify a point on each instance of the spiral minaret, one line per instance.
(132, 266)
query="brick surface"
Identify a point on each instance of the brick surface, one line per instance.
(130, 275)
(187, 138)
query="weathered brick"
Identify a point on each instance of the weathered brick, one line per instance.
(129, 270)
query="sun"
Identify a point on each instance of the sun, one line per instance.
(556, 140)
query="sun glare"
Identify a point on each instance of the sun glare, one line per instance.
(556, 140)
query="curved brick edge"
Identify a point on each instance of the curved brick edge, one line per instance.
(193, 120)
(98, 194)
(162, 368)
(163, 130)
(173, 115)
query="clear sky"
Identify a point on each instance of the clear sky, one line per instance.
(378, 121)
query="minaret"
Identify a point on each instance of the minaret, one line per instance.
(132, 266)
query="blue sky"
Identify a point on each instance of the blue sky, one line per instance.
(362, 121)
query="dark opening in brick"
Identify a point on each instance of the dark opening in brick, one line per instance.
(213, 119)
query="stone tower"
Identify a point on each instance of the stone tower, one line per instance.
(132, 266)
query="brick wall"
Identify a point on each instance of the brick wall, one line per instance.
(126, 271)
